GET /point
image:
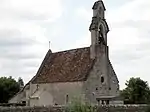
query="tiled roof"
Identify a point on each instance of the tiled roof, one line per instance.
(66, 66)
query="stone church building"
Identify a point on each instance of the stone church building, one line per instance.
(84, 73)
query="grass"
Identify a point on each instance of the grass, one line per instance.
(78, 106)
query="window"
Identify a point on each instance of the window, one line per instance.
(117, 88)
(24, 102)
(37, 86)
(67, 98)
(107, 102)
(55, 104)
(102, 102)
(102, 79)
(96, 89)
(109, 88)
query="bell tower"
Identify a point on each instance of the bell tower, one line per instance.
(98, 27)
(102, 85)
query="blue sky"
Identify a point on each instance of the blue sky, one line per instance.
(26, 26)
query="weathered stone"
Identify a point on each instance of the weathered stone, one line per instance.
(130, 108)
(84, 73)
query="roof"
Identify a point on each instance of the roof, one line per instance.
(66, 66)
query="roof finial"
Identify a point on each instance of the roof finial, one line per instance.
(49, 44)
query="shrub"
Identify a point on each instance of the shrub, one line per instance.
(78, 106)
(148, 109)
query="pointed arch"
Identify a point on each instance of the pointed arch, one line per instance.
(101, 34)
(103, 23)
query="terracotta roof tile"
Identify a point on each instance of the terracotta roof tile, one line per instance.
(66, 66)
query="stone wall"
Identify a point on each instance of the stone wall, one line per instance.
(55, 93)
(133, 108)
(94, 87)
(123, 109)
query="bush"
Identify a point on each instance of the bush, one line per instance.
(77, 106)
(148, 109)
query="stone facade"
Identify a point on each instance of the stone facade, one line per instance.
(55, 93)
(102, 80)
(86, 73)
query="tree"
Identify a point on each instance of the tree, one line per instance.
(8, 88)
(136, 92)
(20, 82)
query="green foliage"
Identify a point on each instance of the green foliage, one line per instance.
(8, 88)
(20, 81)
(136, 92)
(148, 109)
(78, 106)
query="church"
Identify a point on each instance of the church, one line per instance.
(84, 73)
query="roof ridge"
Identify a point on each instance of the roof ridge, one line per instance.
(70, 50)
(42, 65)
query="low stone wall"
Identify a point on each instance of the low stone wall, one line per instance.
(125, 108)
(31, 109)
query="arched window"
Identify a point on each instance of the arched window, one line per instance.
(101, 35)
(102, 79)
(67, 98)
(101, 30)
(109, 88)
(96, 88)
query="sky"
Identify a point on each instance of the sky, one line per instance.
(27, 26)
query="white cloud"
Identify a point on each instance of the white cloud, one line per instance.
(133, 20)
(31, 10)
(24, 35)
(83, 42)
(134, 10)
(83, 13)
